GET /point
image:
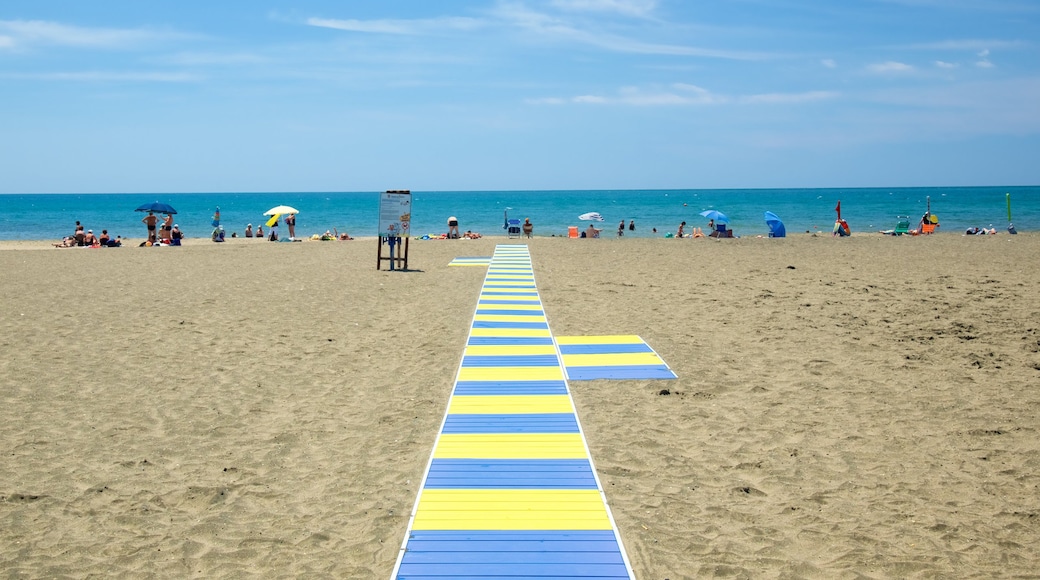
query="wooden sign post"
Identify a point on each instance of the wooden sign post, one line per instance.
(395, 217)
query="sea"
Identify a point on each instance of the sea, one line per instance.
(655, 212)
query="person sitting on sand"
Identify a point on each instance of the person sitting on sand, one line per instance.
(89, 239)
(104, 239)
(249, 230)
(327, 236)
(165, 229)
(260, 231)
(176, 235)
(592, 232)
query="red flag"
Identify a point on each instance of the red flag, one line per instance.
(837, 208)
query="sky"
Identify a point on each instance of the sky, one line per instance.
(320, 95)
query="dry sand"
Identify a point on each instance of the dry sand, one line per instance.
(846, 408)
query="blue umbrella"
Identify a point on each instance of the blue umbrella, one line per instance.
(776, 227)
(157, 207)
(716, 216)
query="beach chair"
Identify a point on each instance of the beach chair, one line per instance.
(929, 228)
(514, 228)
(721, 231)
(902, 227)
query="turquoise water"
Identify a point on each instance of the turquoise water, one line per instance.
(51, 216)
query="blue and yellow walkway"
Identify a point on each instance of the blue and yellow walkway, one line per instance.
(510, 491)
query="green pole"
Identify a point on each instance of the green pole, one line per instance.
(1009, 206)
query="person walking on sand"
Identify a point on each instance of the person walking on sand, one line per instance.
(682, 230)
(150, 222)
(290, 222)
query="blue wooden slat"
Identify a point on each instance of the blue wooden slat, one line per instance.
(513, 535)
(515, 464)
(514, 557)
(512, 302)
(603, 348)
(503, 423)
(510, 388)
(510, 341)
(516, 325)
(496, 312)
(620, 372)
(510, 570)
(511, 360)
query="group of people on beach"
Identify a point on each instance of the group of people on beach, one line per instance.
(86, 239)
(165, 234)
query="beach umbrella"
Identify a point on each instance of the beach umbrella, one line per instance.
(216, 218)
(716, 216)
(776, 227)
(591, 216)
(157, 207)
(280, 209)
(837, 208)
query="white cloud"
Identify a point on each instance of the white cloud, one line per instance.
(39, 32)
(967, 44)
(108, 76)
(984, 63)
(829, 63)
(684, 94)
(401, 27)
(789, 98)
(946, 65)
(890, 67)
(626, 7)
(983, 53)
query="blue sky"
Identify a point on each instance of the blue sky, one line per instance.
(317, 95)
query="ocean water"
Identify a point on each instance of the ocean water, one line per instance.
(51, 216)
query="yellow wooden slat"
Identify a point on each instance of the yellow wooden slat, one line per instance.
(520, 306)
(509, 404)
(518, 509)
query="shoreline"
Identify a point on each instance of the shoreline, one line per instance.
(502, 238)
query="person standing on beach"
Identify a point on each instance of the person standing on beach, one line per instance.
(290, 221)
(150, 221)
(621, 229)
(528, 227)
(682, 229)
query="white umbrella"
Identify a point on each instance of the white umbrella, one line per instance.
(591, 216)
(281, 209)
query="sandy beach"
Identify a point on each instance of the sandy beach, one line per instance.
(864, 407)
